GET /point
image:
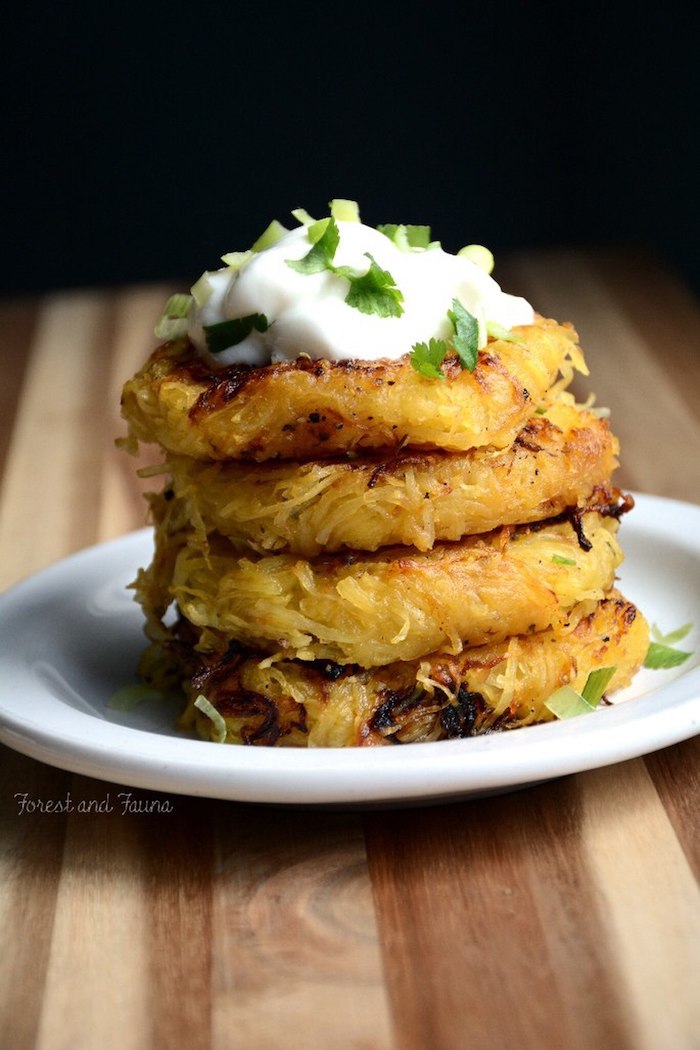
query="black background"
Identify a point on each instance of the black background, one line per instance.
(144, 143)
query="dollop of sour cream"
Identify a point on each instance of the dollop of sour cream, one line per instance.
(307, 314)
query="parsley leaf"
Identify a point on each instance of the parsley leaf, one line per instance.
(221, 336)
(662, 652)
(466, 337)
(373, 292)
(465, 342)
(426, 358)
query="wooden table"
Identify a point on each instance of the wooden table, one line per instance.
(564, 915)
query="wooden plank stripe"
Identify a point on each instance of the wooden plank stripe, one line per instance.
(675, 772)
(176, 843)
(50, 488)
(97, 991)
(651, 904)
(17, 321)
(295, 945)
(527, 963)
(31, 855)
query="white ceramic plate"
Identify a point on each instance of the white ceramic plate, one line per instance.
(71, 635)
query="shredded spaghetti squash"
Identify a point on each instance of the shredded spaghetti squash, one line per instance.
(493, 687)
(317, 409)
(392, 547)
(411, 498)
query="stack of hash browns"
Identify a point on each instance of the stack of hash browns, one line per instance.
(354, 553)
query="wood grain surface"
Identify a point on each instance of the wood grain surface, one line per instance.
(565, 915)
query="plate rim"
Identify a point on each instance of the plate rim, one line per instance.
(442, 770)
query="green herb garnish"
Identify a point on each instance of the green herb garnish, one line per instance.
(372, 292)
(130, 696)
(596, 684)
(466, 338)
(661, 656)
(662, 652)
(427, 358)
(269, 236)
(567, 703)
(406, 237)
(497, 331)
(325, 238)
(208, 709)
(221, 336)
(173, 321)
(673, 636)
(559, 559)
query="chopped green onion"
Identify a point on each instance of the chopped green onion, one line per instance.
(208, 709)
(269, 236)
(202, 289)
(559, 559)
(673, 636)
(419, 237)
(173, 321)
(318, 230)
(497, 331)
(596, 684)
(397, 234)
(478, 254)
(130, 696)
(344, 211)
(302, 216)
(225, 334)
(406, 237)
(659, 657)
(567, 703)
(237, 260)
(178, 305)
(324, 237)
(662, 653)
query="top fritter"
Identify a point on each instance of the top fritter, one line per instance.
(335, 337)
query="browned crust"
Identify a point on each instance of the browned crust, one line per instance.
(406, 497)
(437, 698)
(316, 409)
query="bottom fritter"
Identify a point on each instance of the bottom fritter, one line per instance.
(245, 697)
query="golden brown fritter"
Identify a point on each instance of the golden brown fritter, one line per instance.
(397, 604)
(315, 409)
(492, 687)
(411, 498)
